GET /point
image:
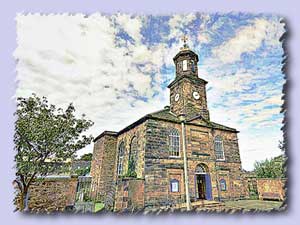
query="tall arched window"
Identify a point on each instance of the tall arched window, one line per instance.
(174, 143)
(121, 158)
(133, 155)
(219, 151)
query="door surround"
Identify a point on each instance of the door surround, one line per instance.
(201, 176)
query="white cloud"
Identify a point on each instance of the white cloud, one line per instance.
(131, 25)
(178, 24)
(75, 59)
(82, 60)
(204, 33)
(248, 39)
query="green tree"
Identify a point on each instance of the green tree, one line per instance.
(83, 171)
(44, 134)
(87, 157)
(273, 168)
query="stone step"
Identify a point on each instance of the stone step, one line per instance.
(202, 204)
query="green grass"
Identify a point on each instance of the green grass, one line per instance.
(253, 204)
(98, 206)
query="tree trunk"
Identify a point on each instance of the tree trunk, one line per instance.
(23, 203)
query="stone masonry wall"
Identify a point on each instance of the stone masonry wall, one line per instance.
(126, 138)
(96, 164)
(123, 187)
(157, 168)
(52, 194)
(158, 165)
(103, 167)
(200, 150)
(194, 106)
(230, 168)
(186, 103)
(129, 195)
(271, 188)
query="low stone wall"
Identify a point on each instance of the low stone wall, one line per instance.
(271, 189)
(129, 195)
(52, 194)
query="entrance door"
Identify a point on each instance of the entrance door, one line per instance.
(201, 187)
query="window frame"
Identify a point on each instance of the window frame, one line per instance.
(133, 153)
(173, 181)
(202, 171)
(172, 135)
(223, 185)
(219, 140)
(120, 168)
(184, 65)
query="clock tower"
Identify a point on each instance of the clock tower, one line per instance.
(188, 91)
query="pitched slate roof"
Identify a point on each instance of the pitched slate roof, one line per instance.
(166, 115)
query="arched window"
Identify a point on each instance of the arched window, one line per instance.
(174, 185)
(223, 185)
(174, 143)
(121, 158)
(219, 151)
(200, 169)
(133, 154)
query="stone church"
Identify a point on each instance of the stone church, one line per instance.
(170, 158)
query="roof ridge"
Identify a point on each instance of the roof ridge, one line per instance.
(214, 123)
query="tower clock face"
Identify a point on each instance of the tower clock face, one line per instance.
(176, 97)
(196, 95)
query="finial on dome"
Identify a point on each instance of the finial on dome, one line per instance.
(184, 38)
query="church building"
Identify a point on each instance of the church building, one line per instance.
(170, 158)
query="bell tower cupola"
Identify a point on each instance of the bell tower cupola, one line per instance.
(186, 61)
(187, 90)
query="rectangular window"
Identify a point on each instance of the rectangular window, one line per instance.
(219, 150)
(184, 65)
(120, 166)
(223, 185)
(174, 143)
(175, 186)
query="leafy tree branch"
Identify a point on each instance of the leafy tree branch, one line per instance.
(44, 137)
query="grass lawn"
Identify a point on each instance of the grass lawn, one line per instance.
(253, 204)
(98, 206)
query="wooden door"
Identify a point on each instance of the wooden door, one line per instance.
(201, 186)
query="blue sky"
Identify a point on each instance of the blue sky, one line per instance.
(116, 68)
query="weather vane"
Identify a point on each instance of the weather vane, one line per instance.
(184, 38)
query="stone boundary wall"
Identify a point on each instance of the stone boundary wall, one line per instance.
(271, 189)
(130, 195)
(52, 194)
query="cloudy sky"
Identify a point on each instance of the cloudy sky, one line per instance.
(116, 68)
